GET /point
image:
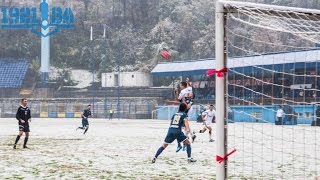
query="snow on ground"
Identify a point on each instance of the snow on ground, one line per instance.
(124, 149)
(266, 151)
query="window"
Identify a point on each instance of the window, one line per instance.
(116, 80)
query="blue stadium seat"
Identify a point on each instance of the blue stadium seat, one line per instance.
(12, 72)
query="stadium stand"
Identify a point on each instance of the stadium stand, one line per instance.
(303, 63)
(12, 72)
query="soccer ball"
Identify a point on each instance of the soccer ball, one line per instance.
(165, 54)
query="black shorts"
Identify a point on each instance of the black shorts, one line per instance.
(173, 135)
(280, 120)
(85, 122)
(24, 127)
(189, 101)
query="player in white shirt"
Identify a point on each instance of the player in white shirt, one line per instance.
(280, 113)
(208, 116)
(184, 95)
(189, 88)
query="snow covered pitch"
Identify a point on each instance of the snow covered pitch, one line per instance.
(124, 150)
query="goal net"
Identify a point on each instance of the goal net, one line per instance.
(273, 60)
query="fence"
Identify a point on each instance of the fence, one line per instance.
(166, 112)
(300, 114)
(72, 108)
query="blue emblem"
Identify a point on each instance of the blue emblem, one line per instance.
(26, 18)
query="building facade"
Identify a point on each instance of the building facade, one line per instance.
(126, 79)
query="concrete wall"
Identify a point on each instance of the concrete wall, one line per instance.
(127, 79)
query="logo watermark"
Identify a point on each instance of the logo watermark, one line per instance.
(48, 23)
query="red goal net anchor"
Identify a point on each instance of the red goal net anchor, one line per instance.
(220, 159)
(220, 73)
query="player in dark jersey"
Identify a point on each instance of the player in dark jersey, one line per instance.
(175, 132)
(23, 116)
(85, 115)
(185, 96)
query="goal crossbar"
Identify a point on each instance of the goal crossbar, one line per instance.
(233, 7)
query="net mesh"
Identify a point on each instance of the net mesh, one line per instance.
(273, 61)
(303, 25)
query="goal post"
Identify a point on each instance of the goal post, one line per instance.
(298, 22)
(221, 115)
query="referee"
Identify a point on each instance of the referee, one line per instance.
(85, 115)
(23, 116)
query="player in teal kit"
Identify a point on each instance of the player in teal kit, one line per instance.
(175, 132)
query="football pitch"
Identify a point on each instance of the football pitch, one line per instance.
(110, 150)
(124, 149)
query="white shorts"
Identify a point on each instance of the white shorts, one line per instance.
(207, 123)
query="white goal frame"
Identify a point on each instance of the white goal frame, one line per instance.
(222, 10)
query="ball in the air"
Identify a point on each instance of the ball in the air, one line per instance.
(165, 54)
